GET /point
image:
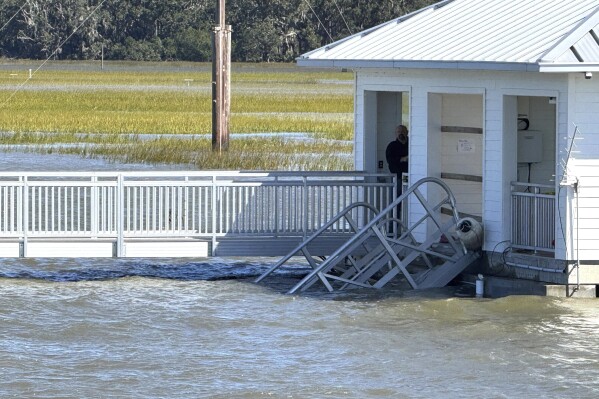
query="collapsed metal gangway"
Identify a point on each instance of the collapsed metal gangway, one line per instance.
(386, 247)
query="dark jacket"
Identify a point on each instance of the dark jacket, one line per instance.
(394, 152)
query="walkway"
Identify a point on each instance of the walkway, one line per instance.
(172, 214)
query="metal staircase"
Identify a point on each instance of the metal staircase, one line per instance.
(386, 247)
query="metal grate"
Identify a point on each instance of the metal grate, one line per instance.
(533, 217)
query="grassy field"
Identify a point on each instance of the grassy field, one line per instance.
(112, 112)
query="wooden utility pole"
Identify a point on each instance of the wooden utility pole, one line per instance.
(221, 80)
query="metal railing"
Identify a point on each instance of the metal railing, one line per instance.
(182, 204)
(533, 217)
(373, 256)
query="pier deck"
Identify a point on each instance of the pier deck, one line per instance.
(178, 214)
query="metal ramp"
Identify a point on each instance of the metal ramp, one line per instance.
(386, 247)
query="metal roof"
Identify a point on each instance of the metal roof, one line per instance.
(534, 35)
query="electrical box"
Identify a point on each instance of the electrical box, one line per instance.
(530, 146)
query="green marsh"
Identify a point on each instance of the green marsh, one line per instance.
(107, 113)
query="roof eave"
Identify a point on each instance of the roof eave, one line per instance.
(402, 64)
(561, 46)
(366, 32)
(569, 67)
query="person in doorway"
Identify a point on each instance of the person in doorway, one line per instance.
(397, 154)
(397, 159)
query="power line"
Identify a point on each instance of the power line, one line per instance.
(319, 21)
(342, 17)
(13, 17)
(53, 53)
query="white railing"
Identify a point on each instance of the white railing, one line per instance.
(182, 204)
(533, 217)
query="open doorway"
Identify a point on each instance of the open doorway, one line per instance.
(530, 140)
(383, 111)
(392, 110)
(530, 166)
(536, 140)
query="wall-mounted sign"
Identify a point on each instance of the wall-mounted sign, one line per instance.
(466, 146)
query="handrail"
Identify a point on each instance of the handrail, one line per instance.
(198, 204)
(526, 184)
(376, 220)
(363, 267)
(317, 234)
(234, 173)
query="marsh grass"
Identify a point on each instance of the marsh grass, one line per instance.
(244, 154)
(116, 106)
(76, 73)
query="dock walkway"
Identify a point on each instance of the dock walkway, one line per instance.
(178, 214)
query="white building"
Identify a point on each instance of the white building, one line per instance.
(465, 76)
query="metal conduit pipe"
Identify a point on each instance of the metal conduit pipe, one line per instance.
(536, 268)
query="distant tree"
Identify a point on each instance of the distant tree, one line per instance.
(192, 45)
(257, 42)
(8, 43)
(263, 30)
(172, 25)
(137, 50)
(46, 28)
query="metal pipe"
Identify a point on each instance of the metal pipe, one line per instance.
(536, 268)
(480, 286)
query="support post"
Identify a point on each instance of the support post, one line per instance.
(221, 79)
(25, 215)
(120, 214)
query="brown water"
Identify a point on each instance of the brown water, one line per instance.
(118, 328)
(187, 329)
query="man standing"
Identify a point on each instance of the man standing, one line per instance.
(397, 154)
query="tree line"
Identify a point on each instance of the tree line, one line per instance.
(157, 30)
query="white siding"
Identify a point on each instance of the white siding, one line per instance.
(494, 86)
(585, 166)
(87, 249)
(10, 249)
(586, 116)
(587, 229)
(496, 210)
(166, 249)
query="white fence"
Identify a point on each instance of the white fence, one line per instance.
(533, 217)
(181, 204)
(211, 205)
